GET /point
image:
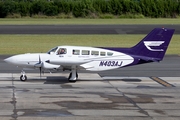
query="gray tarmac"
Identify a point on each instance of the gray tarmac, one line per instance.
(82, 29)
(91, 98)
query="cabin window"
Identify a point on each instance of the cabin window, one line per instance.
(103, 53)
(62, 51)
(95, 53)
(109, 53)
(75, 52)
(85, 52)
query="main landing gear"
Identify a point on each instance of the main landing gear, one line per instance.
(73, 76)
(23, 76)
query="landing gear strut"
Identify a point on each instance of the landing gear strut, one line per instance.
(23, 76)
(73, 76)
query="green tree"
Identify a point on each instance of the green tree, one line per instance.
(24, 8)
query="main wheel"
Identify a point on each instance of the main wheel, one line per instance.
(70, 75)
(23, 78)
(72, 81)
(76, 75)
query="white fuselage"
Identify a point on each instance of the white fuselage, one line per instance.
(76, 57)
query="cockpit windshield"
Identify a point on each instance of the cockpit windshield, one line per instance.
(52, 51)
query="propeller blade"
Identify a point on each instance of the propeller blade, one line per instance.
(40, 68)
(39, 59)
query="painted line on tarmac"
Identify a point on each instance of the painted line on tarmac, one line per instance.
(162, 82)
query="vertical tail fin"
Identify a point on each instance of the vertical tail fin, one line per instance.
(155, 44)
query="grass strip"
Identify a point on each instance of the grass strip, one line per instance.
(16, 44)
(40, 21)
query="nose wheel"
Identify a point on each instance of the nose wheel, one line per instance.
(23, 76)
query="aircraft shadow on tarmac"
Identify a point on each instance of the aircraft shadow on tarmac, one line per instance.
(64, 80)
(50, 80)
(131, 80)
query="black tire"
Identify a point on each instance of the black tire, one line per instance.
(76, 75)
(23, 78)
(72, 81)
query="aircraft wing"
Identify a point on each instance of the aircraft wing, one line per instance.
(86, 66)
(82, 67)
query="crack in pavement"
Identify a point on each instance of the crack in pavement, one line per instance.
(131, 101)
(14, 115)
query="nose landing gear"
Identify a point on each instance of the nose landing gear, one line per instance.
(23, 76)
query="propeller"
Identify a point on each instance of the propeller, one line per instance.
(45, 65)
(40, 68)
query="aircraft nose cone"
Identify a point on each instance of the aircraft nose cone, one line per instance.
(9, 59)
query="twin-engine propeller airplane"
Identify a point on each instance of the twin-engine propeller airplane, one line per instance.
(150, 49)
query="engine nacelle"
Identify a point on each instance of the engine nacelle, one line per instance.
(46, 65)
